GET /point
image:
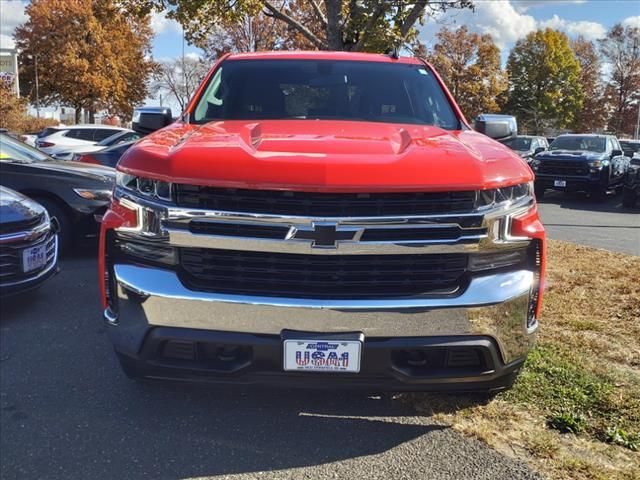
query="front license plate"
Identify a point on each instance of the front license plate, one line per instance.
(560, 183)
(34, 258)
(322, 355)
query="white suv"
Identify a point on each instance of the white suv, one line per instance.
(59, 139)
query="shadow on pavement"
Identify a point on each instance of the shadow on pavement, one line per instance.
(581, 201)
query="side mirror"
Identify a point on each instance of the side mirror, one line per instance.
(539, 150)
(498, 127)
(616, 153)
(149, 119)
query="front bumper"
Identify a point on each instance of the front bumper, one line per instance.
(573, 184)
(489, 318)
(23, 282)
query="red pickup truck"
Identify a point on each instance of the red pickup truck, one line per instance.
(323, 219)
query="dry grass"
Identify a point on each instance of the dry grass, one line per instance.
(583, 378)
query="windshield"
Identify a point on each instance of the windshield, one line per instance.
(518, 143)
(576, 142)
(15, 151)
(326, 89)
(118, 138)
(630, 147)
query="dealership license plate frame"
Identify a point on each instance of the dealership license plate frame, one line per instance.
(338, 344)
(560, 183)
(34, 258)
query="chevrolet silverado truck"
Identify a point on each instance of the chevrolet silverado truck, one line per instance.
(323, 219)
(591, 163)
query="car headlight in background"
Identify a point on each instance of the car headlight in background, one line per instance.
(89, 194)
(145, 187)
(504, 196)
(596, 164)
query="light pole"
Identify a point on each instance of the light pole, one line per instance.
(35, 60)
(637, 135)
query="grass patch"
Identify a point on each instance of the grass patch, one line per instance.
(575, 410)
(579, 398)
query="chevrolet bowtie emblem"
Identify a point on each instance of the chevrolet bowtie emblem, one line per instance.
(324, 235)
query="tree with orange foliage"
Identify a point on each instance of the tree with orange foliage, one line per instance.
(91, 55)
(470, 66)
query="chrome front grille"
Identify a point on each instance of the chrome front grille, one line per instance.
(406, 255)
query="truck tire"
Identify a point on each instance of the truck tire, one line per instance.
(598, 193)
(629, 197)
(65, 235)
(539, 191)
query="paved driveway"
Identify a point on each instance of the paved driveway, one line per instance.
(67, 412)
(576, 218)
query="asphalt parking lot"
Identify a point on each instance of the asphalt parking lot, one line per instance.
(66, 410)
(575, 218)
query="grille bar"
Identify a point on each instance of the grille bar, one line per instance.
(558, 167)
(321, 276)
(323, 204)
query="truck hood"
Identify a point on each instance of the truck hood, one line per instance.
(320, 155)
(574, 155)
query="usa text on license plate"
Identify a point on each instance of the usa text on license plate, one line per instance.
(560, 183)
(34, 258)
(322, 355)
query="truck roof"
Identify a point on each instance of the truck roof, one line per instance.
(323, 55)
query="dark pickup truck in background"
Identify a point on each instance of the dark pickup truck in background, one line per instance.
(592, 163)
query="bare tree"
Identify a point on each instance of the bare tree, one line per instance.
(621, 50)
(179, 78)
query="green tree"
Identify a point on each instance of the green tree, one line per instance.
(592, 115)
(621, 50)
(544, 81)
(90, 55)
(470, 66)
(362, 25)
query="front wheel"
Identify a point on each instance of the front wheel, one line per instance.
(539, 191)
(629, 197)
(65, 235)
(598, 193)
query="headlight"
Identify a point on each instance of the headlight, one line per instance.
(504, 195)
(104, 195)
(595, 164)
(535, 164)
(145, 186)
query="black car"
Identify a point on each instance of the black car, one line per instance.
(28, 243)
(74, 193)
(591, 163)
(631, 190)
(527, 146)
(108, 157)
